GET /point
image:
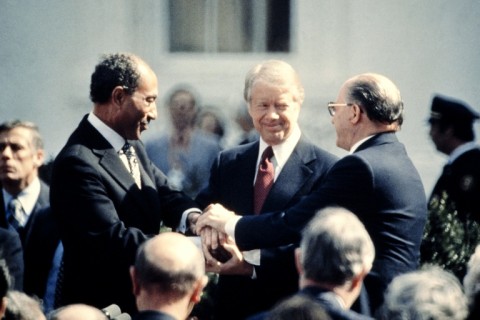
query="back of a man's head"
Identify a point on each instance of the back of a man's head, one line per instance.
(431, 293)
(21, 306)
(169, 269)
(5, 283)
(298, 307)
(378, 96)
(77, 312)
(335, 247)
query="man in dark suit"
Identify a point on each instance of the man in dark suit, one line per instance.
(21, 148)
(335, 255)
(12, 254)
(106, 193)
(168, 277)
(377, 181)
(274, 95)
(453, 227)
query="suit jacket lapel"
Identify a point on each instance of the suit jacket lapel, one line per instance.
(293, 176)
(110, 161)
(242, 177)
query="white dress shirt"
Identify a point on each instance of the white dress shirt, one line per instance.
(281, 153)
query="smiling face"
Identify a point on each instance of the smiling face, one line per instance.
(140, 108)
(274, 109)
(20, 159)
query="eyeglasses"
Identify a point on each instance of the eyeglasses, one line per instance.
(331, 107)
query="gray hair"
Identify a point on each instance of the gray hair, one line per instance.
(378, 96)
(471, 281)
(5, 279)
(35, 137)
(21, 306)
(428, 294)
(276, 72)
(335, 247)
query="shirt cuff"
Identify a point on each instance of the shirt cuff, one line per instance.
(230, 226)
(183, 227)
(252, 256)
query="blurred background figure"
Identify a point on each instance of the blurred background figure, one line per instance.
(453, 230)
(21, 306)
(245, 123)
(168, 277)
(212, 122)
(431, 293)
(471, 285)
(186, 153)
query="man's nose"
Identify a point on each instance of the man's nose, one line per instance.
(272, 112)
(6, 151)
(152, 115)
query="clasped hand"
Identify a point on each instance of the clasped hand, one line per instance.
(216, 244)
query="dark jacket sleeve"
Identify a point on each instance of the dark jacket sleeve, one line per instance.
(11, 251)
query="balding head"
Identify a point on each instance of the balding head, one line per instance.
(77, 312)
(170, 264)
(378, 96)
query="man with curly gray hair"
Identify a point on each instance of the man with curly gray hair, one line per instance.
(430, 293)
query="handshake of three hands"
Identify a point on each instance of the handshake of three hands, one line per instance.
(220, 251)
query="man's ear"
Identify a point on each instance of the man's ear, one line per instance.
(356, 113)
(118, 95)
(3, 306)
(357, 280)
(198, 290)
(298, 260)
(133, 277)
(39, 157)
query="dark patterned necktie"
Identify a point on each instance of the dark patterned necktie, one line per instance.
(264, 180)
(134, 170)
(17, 215)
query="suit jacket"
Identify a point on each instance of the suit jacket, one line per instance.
(104, 216)
(152, 315)
(461, 181)
(380, 184)
(11, 251)
(454, 206)
(231, 184)
(328, 301)
(40, 238)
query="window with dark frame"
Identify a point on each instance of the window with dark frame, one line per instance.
(229, 26)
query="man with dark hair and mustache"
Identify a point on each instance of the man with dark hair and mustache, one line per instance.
(108, 196)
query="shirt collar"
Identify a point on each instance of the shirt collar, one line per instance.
(28, 197)
(356, 145)
(116, 140)
(281, 151)
(461, 150)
